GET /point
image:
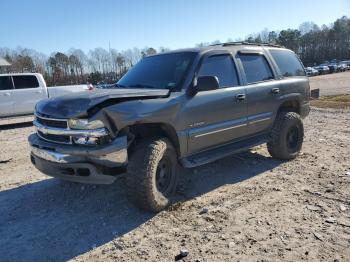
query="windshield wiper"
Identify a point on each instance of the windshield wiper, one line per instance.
(143, 86)
(119, 85)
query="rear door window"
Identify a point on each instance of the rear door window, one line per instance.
(222, 67)
(5, 83)
(256, 68)
(288, 63)
(22, 82)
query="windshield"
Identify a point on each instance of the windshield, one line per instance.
(161, 71)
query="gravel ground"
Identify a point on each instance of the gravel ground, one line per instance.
(332, 84)
(244, 207)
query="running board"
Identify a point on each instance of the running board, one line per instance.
(212, 155)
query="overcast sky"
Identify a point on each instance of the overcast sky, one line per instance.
(49, 26)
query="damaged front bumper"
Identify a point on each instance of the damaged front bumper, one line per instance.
(85, 164)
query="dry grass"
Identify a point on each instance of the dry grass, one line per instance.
(337, 101)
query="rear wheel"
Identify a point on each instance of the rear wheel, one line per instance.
(152, 174)
(287, 136)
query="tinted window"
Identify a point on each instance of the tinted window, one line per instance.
(288, 63)
(256, 68)
(222, 67)
(25, 82)
(160, 71)
(5, 83)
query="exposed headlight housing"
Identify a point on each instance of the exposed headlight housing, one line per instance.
(85, 124)
(86, 140)
(91, 140)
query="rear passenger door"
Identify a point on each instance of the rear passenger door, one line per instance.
(26, 94)
(6, 101)
(261, 88)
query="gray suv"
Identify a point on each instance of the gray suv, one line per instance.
(186, 107)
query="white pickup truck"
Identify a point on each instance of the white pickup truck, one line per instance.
(19, 93)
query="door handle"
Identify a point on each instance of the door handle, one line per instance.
(7, 94)
(240, 97)
(275, 91)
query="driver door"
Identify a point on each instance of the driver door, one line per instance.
(218, 116)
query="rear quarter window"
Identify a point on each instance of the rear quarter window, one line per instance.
(22, 82)
(288, 63)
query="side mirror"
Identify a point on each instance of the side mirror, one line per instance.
(207, 83)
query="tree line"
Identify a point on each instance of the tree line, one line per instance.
(75, 66)
(314, 44)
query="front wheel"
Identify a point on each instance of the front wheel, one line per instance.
(152, 174)
(287, 136)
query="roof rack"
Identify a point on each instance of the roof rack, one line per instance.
(247, 43)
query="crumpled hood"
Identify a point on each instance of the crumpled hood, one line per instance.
(78, 104)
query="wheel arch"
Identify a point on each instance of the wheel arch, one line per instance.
(290, 105)
(142, 131)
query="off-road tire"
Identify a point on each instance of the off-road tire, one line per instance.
(278, 146)
(141, 182)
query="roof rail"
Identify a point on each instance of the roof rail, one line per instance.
(247, 43)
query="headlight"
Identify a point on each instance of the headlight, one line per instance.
(85, 124)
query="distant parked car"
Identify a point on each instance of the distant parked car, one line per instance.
(347, 62)
(333, 67)
(322, 69)
(343, 67)
(316, 70)
(310, 71)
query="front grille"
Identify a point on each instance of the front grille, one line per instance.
(58, 131)
(55, 138)
(48, 122)
(52, 123)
